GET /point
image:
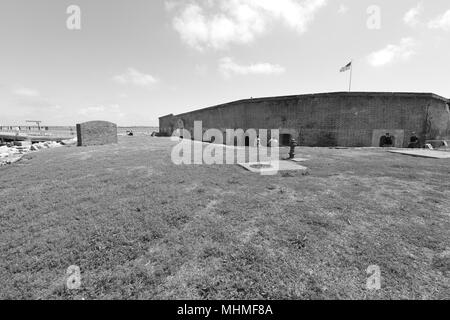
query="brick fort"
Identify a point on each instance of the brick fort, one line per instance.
(344, 119)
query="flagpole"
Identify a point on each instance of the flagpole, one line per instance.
(351, 74)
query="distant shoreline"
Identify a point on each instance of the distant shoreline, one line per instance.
(55, 133)
(44, 128)
(73, 127)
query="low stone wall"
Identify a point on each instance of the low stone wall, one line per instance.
(96, 133)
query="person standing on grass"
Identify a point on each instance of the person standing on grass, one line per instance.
(258, 142)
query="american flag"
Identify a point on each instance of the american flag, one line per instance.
(347, 67)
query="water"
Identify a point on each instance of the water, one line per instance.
(69, 131)
(137, 131)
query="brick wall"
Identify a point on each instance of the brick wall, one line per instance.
(334, 119)
(96, 133)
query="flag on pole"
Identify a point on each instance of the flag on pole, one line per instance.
(347, 67)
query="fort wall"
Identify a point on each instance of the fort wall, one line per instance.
(329, 119)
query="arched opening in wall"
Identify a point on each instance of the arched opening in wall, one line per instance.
(285, 140)
(247, 141)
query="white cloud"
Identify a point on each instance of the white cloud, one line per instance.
(441, 22)
(135, 77)
(217, 24)
(102, 111)
(170, 5)
(392, 53)
(411, 18)
(228, 67)
(343, 9)
(26, 92)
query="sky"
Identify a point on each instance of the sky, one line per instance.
(131, 62)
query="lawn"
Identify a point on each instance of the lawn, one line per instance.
(140, 227)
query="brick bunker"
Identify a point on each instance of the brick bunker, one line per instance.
(346, 119)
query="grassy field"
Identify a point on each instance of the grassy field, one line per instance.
(140, 227)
